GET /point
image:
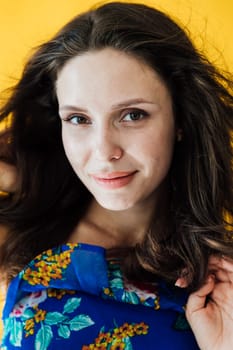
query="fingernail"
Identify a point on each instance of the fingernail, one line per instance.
(211, 278)
(178, 283)
(181, 283)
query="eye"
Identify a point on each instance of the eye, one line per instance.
(78, 119)
(134, 116)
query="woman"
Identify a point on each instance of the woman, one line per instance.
(130, 204)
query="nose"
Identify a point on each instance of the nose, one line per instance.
(107, 145)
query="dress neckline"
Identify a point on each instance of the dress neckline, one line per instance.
(83, 267)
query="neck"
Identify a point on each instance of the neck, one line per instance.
(127, 227)
(117, 229)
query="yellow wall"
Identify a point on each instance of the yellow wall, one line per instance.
(26, 23)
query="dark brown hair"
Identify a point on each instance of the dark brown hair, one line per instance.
(50, 198)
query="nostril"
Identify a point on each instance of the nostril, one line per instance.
(108, 152)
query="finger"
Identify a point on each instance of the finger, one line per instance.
(227, 264)
(223, 270)
(181, 282)
(223, 276)
(8, 175)
(215, 262)
(220, 263)
(214, 259)
(223, 294)
(197, 300)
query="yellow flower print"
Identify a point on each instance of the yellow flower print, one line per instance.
(115, 339)
(31, 332)
(49, 252)
(38, 257)
(29, 324)
(156, 302)
(63, 260)
(51, 266)
(55, 273)
(44, 280)
(118, 346)
(40, 316)
(126, 330)
(72, 245)
(141, 328)
(43, 266)
(89, 347)
(108, 292)
(31, 276)
(103, 339)
(29, 327)
(59, 293)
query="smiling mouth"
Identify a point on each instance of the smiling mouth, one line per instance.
(114, 180)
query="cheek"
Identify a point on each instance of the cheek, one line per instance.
(154, 147)
(154, 150)
(75, 151)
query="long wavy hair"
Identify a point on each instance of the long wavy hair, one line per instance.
(50, 199)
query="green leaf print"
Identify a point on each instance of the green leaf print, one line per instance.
(116, 283)
(102, 330)
(80, 322)
(43, 338)
(64, 331)
(28, 313)
(8, 325)
(53, 318)
(130, 297)
(16, 333)
(116, 273)
(72, 304)
(181, 323)
(128, 344)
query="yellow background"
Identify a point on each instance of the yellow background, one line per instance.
(25, 24)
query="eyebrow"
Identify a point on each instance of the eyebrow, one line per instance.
(119, 105)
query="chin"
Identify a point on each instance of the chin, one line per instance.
(115, 205)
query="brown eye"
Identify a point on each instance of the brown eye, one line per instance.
(134, 116)
(78, 119)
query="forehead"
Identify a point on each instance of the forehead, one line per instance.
(107, 73)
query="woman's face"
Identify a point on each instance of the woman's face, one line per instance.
(118, 127)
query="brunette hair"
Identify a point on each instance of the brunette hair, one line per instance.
(51, 199)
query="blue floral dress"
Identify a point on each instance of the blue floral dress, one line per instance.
(71, 297)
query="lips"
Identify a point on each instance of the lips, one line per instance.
(114, 180)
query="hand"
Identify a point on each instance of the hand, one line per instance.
(210, 309)
(8, 175)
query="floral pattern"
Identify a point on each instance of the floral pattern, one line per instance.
(71, 296)
(120, 288)
(118, 338)
(33, 320)
(48, 266)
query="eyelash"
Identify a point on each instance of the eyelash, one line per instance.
(136, 112)
(142, 114)
(70, 118)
